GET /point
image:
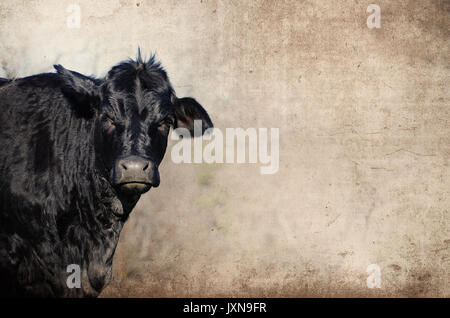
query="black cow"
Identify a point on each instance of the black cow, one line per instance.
(4, 81)
(76, 154)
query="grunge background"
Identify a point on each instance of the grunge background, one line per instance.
(364, 118)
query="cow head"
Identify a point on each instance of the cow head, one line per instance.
(134, 107)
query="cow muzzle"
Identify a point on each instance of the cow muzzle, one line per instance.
(135, 175)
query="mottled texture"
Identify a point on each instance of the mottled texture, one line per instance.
(364, 141)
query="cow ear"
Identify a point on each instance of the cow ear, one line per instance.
(187, 110)
(81, 89)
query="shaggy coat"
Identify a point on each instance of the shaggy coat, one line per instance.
(61, 200)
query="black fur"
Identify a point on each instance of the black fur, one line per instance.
(60, 135)
(4, 81)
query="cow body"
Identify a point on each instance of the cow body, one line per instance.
(4, 81)
(64, 189)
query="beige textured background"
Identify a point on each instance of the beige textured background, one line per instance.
(364, 118)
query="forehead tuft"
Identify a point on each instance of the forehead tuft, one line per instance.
(133, 86)
(150, 74)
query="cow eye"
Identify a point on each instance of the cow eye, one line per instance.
(166, 122)
(109, 124)
(164, 125)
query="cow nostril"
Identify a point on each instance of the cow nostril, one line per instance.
(124, 166)
(145, 167)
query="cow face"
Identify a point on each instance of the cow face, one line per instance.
(134, 108)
